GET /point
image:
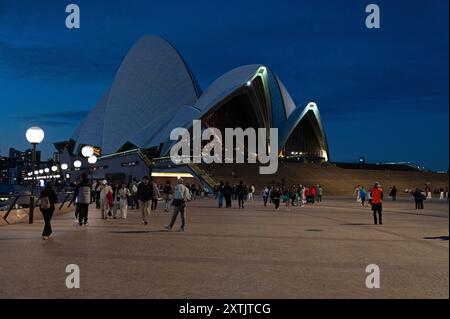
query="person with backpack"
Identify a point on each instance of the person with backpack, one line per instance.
(83, 196)
(167, 195)
(180, 197)
(48, 199)
(393, 193)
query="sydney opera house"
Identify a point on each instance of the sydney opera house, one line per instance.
(155, 91)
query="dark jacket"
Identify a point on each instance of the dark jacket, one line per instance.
(53, 198)
(240, 190)
(145, 192)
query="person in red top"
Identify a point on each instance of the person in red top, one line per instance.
(313, 194)
(377, 203)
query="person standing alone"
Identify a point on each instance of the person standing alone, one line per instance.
(377, 203)
(47, 206)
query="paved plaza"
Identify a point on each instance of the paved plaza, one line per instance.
(318, 251)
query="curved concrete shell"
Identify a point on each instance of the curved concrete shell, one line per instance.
(152, 82)
(154, 91)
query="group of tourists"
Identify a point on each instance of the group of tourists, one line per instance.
(296, 195)
(115, 199)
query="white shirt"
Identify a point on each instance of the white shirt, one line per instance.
(181, 192)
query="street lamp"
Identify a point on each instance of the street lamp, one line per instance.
(34, 135)
(64, 166)
(54, 168)
(87, 151)
(92, 160)
(77, 164)
(47, 170)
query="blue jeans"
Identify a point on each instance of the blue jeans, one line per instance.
(220, 199)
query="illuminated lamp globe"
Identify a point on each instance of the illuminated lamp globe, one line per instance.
(35, 135)
(87, 151)
(92, 159)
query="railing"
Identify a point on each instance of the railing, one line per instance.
(13, 202)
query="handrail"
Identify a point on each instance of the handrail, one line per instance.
(17, 197)
(10, 207)
(65, 200)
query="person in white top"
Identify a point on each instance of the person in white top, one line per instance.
(124, 192)
(180, 197)
(104, 203)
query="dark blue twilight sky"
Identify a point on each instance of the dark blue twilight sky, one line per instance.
(382, 93)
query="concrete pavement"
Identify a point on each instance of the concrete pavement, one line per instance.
(318, 251)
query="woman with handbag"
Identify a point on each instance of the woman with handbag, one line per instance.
(48, 199)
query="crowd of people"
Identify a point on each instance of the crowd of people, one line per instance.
(276, 194)
(114, 199)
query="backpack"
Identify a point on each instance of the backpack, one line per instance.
(134, 188)
(45, 202)
(84, 195)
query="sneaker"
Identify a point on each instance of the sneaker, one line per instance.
(145, 222)
(167, 227)
(181, 230)
(45, 237)
(80, 224)
(86, 224)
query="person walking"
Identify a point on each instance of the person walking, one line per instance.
(227, 193)
(180, 197)
(144, 195)
(441, 194)
(48, 199)
(419, 198)
(97, 194)
(393, 193)
(362, 195)
(167, 195)
(93, 192)
(124, 194)
(240, 189)
(377, 203)
(276, 195)
(155, 195)
(265, 194)
(83, 196)
(219, 195)
(116, 200)
(319, 193)
(133, 190)
(105, 194)
(251, 194)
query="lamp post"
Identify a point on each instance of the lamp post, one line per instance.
(92, 160)
(34, 135)
(77, 164)
(88, 152)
